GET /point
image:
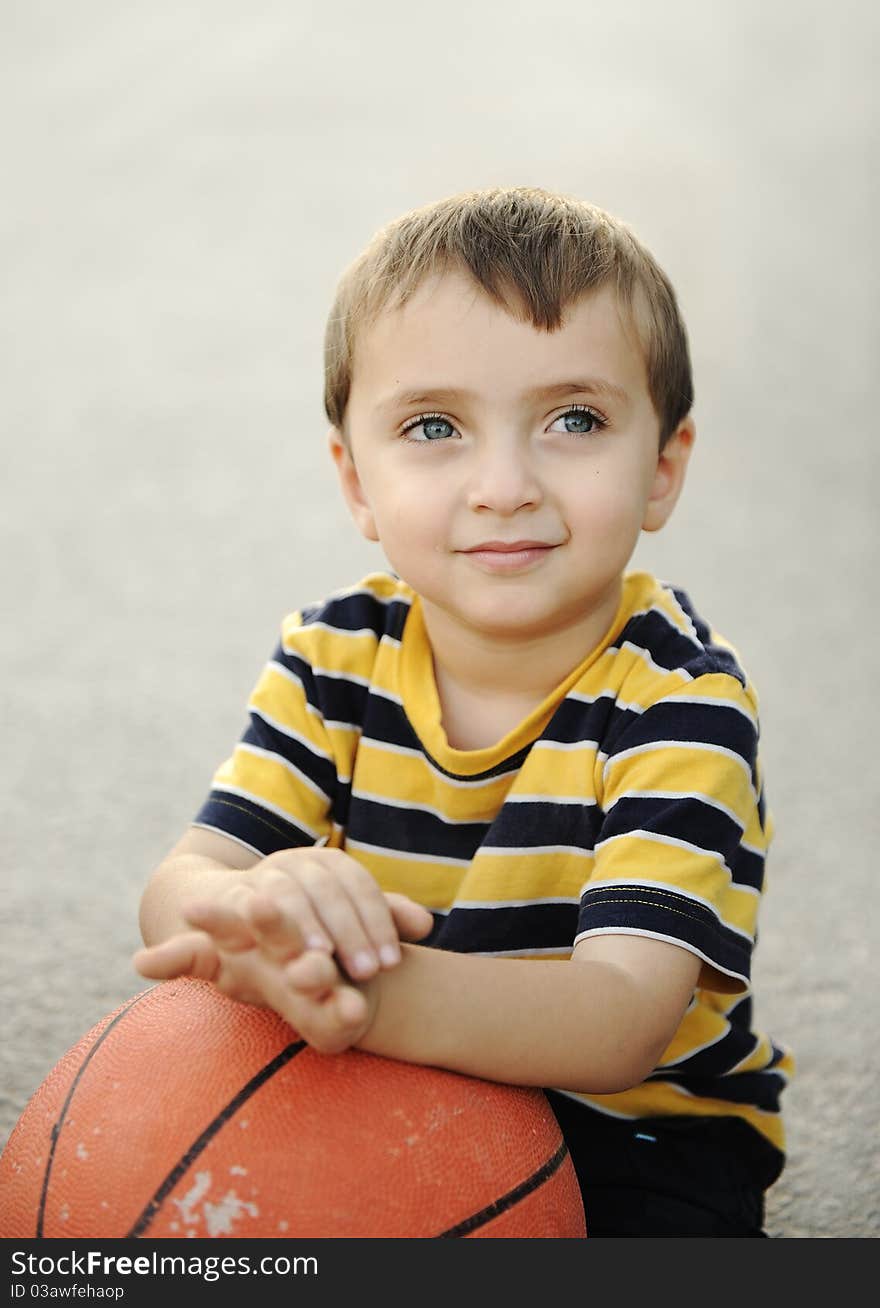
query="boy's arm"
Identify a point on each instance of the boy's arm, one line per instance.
(597, 1023)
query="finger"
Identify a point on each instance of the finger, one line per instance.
(331, 1017)
(313, 973)
(189, 954)
(354, 910)
(285, 924)
(223, 922)
(412, 920)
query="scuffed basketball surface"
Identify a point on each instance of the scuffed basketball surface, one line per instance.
(185, 1113)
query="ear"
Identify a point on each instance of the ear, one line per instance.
(350, 481)
(669, 476)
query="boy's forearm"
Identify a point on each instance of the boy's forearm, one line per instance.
(177, 879)
(576, 1025)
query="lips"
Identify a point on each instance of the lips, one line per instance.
(509, 547)
(508, 557)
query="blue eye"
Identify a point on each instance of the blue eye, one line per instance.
(581, 421)
(432, 425)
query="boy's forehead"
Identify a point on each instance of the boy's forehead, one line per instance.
(449, 316)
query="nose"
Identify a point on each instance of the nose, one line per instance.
(503, 479)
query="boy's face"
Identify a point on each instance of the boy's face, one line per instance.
(471, 431)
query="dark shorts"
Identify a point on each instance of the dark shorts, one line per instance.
(668, 1176)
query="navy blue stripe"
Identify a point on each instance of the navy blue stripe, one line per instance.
(762, 1089)
(664, 912)
(576, 720)
(667, 646)
(247, 821)
(536, 926)
(321, 771)
(413, 831)
(692, 820)
(358, 612)
(716, 657)
(717, 1059)
(544, 822)
(702, 723)
(337, 699)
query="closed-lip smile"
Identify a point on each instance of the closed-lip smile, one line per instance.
(509, 558)
(510, 547)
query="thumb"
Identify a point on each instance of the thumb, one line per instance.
(412, 920)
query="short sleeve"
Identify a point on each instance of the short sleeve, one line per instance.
(278, 788)
(681, 848)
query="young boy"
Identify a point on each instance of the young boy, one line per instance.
(501, 809)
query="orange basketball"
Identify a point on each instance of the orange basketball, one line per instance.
(185, 1113)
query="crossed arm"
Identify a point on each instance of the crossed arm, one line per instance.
(309, 933)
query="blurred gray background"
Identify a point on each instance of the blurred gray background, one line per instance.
(183, 183)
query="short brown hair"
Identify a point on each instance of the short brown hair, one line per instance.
(531, 250)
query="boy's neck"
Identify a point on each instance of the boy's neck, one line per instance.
(473, 663)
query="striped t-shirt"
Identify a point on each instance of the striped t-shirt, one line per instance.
(630, 800)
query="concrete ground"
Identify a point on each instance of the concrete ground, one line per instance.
(183, 183)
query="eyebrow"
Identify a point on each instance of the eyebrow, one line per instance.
(424, 395)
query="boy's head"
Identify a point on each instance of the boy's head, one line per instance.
(509, 388)
(535, 253)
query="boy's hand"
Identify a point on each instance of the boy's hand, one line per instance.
(318, 898)
(295, 905)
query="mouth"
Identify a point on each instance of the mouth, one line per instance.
(509, 556)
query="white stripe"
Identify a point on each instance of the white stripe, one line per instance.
(406, 854)
(518, 903)
(328, 626)
(677, 744)
(581, 800)
(381, 693)
(689, 1094)
(345, 591)
(334, 674)
(606, 694)
(657, 935)
(413, 807)
(679, 795)
(272, 757)
(591, 745)
(690, 631)
(646, 658)
(635, 883)
(259, 802)
(501, 851)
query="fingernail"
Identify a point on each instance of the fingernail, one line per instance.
(318, 942)
(390, 955)
(364, 962)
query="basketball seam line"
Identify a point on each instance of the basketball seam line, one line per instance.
(203, 1140)
(508, 1200)
(56, 1129)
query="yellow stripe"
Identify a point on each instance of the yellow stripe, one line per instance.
(528, 876)
(409, 779)
(270, 781)
(689, 771)
(437, 882)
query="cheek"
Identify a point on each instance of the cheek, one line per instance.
(608, 506)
